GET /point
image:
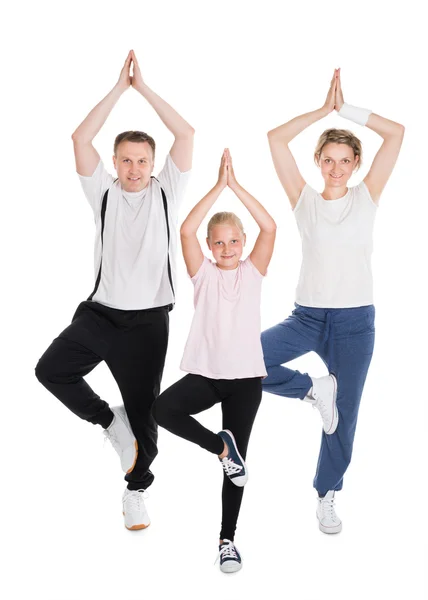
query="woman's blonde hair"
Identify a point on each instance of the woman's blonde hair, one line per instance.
(221, 218)
(339, 136)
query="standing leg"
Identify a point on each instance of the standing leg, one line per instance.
(284, 342)
(353, 340)
(136, 362)
(239, 411)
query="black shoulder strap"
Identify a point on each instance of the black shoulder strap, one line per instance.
(165, 208)
(103, 218)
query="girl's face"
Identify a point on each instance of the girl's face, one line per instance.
(337, 163)
(226, 243)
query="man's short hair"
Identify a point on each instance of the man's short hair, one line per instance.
(134, 136)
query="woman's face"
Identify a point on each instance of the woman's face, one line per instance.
(337, 163)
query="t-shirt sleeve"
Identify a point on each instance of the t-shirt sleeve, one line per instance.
(307, 191)
(252, 270)
(95, 186)
(362, 189)
(173, 181)
(201, 272)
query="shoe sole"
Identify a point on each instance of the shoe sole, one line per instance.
(231, 568)
(335, 423)
(135, 459)
(238, 484)
(136, 527)
(329, 530)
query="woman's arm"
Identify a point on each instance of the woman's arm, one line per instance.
(192, 252)
(386, 157)
(279, 138)
(263, 248)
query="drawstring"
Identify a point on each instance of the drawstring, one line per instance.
(328, 338)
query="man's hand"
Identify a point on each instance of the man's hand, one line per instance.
(137, 79)
(125, 79)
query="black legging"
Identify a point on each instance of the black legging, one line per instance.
(240, 400)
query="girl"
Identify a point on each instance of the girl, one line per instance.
(334, 314)
(223, 355)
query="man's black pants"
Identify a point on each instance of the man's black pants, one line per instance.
(133, 344)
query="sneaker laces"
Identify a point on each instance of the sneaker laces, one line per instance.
(320, 405)
(230, 467)
(227, 550)
(134, 498)
(111, 436)
(327, 507)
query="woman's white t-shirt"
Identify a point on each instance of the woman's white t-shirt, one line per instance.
(135, 244)
(337, 244)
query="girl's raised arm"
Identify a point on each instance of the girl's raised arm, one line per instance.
(263, 248)
(192, 252)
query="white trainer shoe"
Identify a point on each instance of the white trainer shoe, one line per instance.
(123, 440)
(134, 510)
(323, 397)
(329, 522)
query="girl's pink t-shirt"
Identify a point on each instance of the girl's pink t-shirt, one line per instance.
(224, 339)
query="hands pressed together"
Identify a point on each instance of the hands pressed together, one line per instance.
(226, 174)
(334, 100)
(127, 80)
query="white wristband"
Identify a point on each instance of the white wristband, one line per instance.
(353, 113)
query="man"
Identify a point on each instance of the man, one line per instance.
(125, 320)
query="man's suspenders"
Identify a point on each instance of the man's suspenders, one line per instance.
(103, 216)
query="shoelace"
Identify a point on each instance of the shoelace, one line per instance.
(230, 467)
(227, 550)
(109, 435)
(327, 507)
(322, 408)
(135, 497)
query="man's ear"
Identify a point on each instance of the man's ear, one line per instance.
(114, 162)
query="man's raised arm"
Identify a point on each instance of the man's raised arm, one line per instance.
(182, 148)
(87, 158)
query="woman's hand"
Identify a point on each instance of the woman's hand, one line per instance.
(330, 101)
(338, 99)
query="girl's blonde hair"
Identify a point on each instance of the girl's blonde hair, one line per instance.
(221, 218)
(339, 136)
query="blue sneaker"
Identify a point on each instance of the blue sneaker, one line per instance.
(230, 559)
(233, 464)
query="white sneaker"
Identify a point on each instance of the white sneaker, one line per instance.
(230, 559)
(123, 440)
(323, 397)
(134, 510)
(329, 522)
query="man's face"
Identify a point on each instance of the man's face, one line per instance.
(134, 165)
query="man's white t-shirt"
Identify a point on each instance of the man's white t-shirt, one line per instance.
(337, 244)
(134, 272)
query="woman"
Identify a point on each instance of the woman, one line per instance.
(334, 314)
(223, 355)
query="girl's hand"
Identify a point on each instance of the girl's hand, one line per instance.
(329, 103)
(222, 172)
(231, 179)
(338, 99)
(125, 80)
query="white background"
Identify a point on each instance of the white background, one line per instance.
(233, 70)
